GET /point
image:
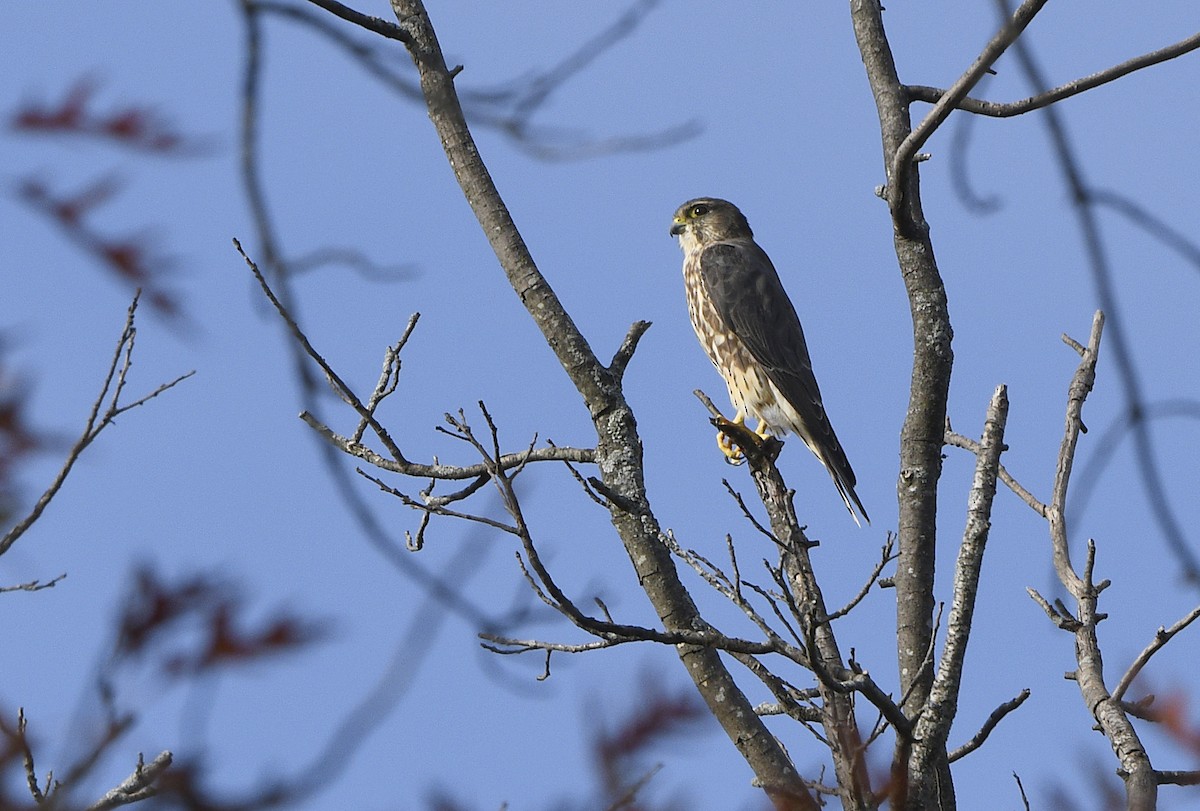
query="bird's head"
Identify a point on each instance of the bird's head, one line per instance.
(709, 219)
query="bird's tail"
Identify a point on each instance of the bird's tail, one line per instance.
(845, 487)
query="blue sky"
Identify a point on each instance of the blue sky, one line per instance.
(220, 474)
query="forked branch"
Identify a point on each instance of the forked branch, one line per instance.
(101, 416)
(997, 109)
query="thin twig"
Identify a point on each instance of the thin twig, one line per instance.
(34, 585)
(966, 443)
(398, 463)
(374, 24)
(409, 501)
(1021, 788)
(932, 730)
(1081, 386)
(114, 382)
(137, 786)
(1063, 91)
(887, 555)
(1161, 637)
(948, 101)
(737, 497)
(997, 715)
(628, 346)
(389, 376)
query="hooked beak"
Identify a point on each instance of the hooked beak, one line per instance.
(677, 229)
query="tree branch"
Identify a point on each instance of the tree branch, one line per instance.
(375, 24)
(625, 352)
(922, 435)
(618, 452)
(137, 786)
(806, 600)
(933, 728)
(902, 160)
(995, 718)
(1112, 718)
(996, 109)
(1081, 386)
(114, 382)
(966, 443)
(1161, 637)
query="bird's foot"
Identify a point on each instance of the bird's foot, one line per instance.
(734, 438)
(733, 435)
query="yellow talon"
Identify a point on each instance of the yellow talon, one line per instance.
(733, 453)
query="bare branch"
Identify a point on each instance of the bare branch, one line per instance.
(886, 556)
(343, 391)
(1081, 386)
(1058, 616)
(938, 714)
(554, 453)
(788, 697)
(1112, 717)
(114, 382)
(721, 583)
(374, 24)
(625, 352)
(618, 634)
(409, 501)
(617, 456)
(1063, 91)
(34, 585)
(398, 463)
(754, 522)
(1161, 637)
(995, 718)
(588, 490)
(137, 786)
(902, 161)
(1021, 788)
(966, 443)
(31, 778)
(920, 463)
(802, 592)
(389, 377)
(1178, 778)
(507, 646)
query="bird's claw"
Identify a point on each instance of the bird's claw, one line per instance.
(731, 450)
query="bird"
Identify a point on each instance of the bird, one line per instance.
(749, 328)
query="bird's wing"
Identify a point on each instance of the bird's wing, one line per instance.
(745, 290)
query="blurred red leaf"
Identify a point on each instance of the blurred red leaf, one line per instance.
(1172, 713)
(154, 606)
(141, 128)
(18, 440)
(656, 716)
(131, 259)
(227, 645)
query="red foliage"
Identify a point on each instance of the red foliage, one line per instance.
(655, 717)
(132, 259)
(17, 439)
(140, 128)
(227, 645)
(1172, 713)
(154, 607)
(155, 611)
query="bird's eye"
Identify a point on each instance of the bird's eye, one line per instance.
(700, 210)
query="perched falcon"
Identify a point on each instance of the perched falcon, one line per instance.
(751, 332)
